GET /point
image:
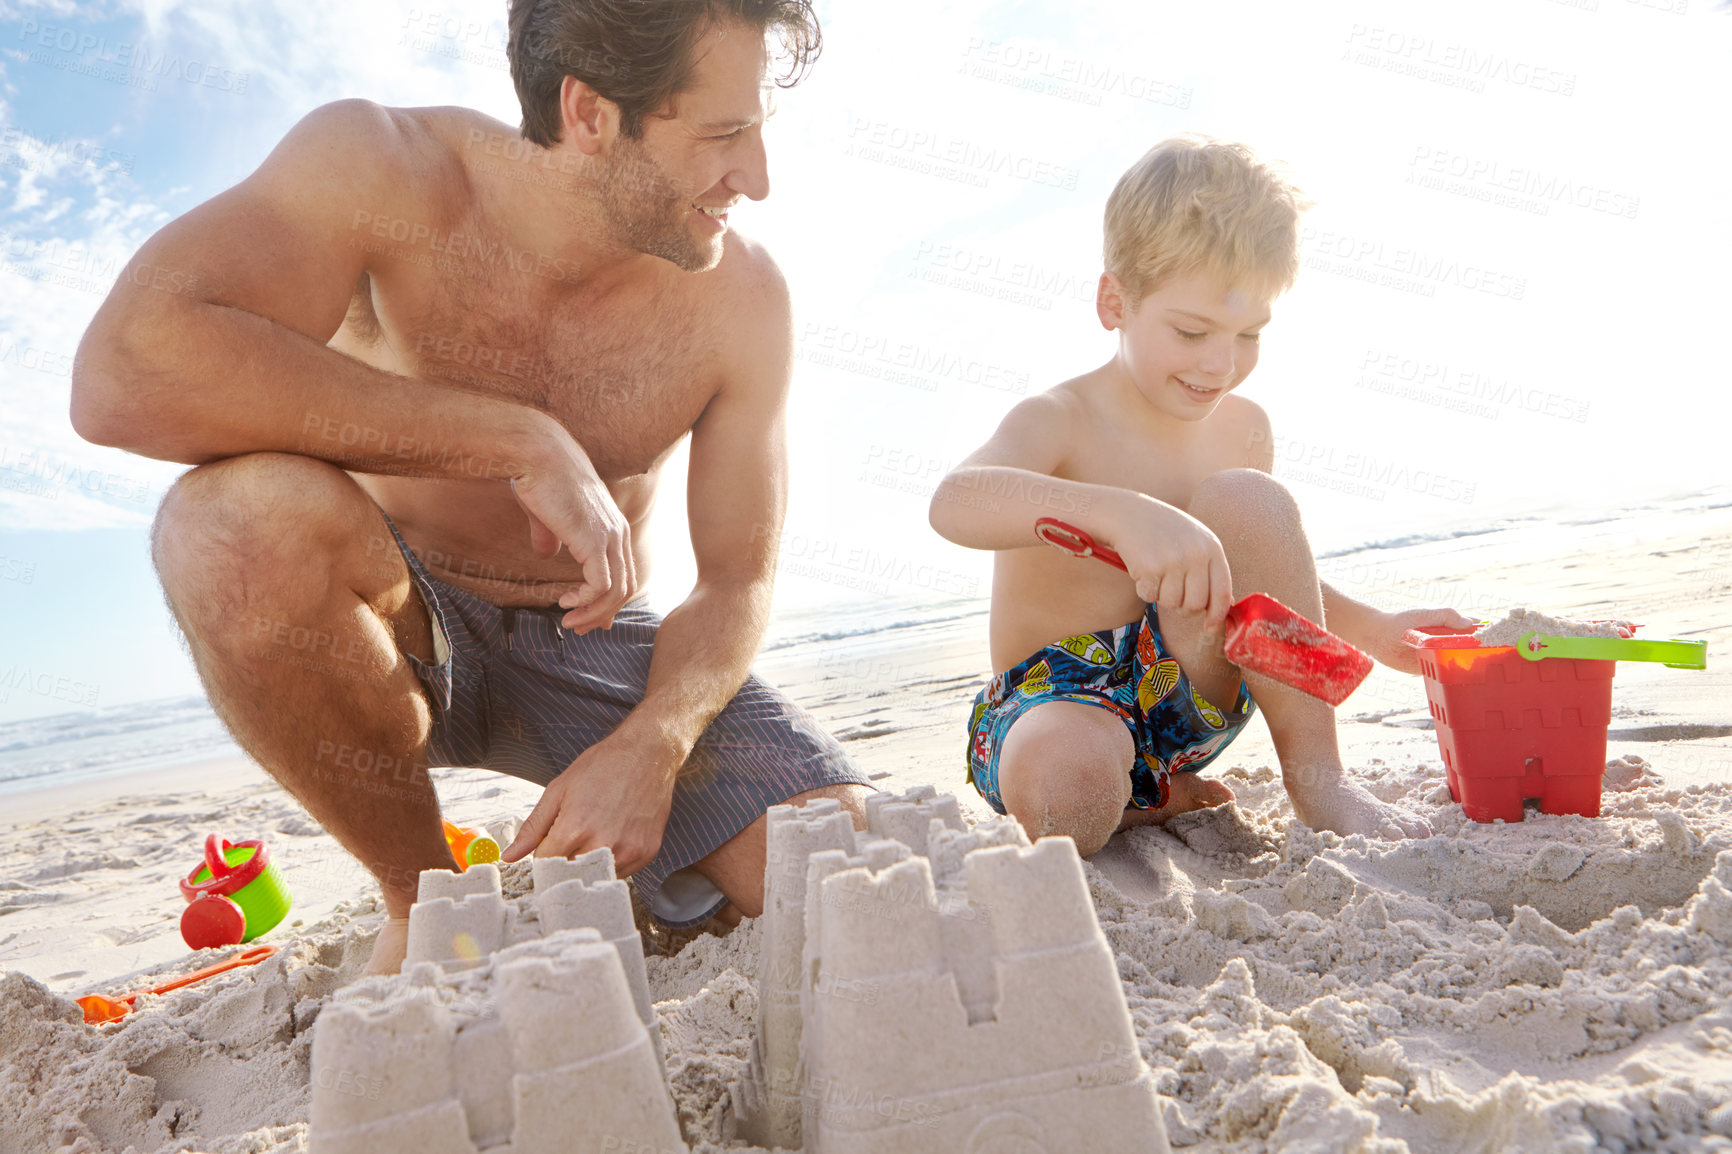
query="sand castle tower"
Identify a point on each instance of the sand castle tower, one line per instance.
(768, 1100)
(459, 919)
(954, 992)
(535, 1049)
(516, 1027)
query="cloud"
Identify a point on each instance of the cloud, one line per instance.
(945, 127)
(75, 206)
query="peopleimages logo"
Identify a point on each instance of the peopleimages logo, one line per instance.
(1455, 65)
(35, 358)
(1066, 76)
(467, 249)
(923, 367)
(883, 141)
(1369, 259)
(45, 153)
(1513, 185)
(49, 685)
(1461, 388)
(1361, 474)
(89, 49)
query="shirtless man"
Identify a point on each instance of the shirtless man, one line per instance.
(429, 371)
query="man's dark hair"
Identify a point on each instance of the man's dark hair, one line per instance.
(636, 53)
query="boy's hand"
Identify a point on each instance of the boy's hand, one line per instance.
(1175, 559)
(1387, 646)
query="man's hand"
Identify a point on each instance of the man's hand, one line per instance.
(617, 793)
(1385, 629)
(568, 504)
(1175, 559)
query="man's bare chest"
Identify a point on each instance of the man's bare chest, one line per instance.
(627, 376)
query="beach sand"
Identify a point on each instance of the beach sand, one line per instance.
(1560, 984)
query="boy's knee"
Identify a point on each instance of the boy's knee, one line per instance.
(1048, 809)
(1066, 779)
(1248, 497)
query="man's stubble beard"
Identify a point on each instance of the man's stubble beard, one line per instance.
(646, 209)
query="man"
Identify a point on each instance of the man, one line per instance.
(429, 371)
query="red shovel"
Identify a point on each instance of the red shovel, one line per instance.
(1263, 635)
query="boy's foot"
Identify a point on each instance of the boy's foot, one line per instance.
(1330, 801)
(389, 948)
(1185, 792)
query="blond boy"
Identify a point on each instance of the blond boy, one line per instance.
(1112, 690)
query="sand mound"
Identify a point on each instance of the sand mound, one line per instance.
(1555, 985)
(221, 1066)
(1558, 985)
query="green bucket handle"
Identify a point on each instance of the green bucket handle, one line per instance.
(1673, 654)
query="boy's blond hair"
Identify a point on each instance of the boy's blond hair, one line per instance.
(1194, 204)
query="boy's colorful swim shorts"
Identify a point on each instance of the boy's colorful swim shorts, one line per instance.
(1128, 672)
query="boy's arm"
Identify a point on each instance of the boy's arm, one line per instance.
(1371, 629)
(1353, 620)
(993, 499)
(1379, 633)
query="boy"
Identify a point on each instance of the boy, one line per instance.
(1091, 725)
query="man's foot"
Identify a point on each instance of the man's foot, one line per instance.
(389, 948)
(1330, 801)
(667, 941)
(1185, 792)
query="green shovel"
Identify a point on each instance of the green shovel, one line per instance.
(1674, 654)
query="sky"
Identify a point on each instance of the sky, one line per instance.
(1514, 273)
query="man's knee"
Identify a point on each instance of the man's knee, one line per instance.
(236, 525)
(852, 798)
(1242, 498)
(255, 496)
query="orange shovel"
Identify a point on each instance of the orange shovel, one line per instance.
(1263, 635)
(99, 1010)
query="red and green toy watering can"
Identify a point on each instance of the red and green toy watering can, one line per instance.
(233, 896)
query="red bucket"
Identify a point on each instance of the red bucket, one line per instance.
(1512, 729)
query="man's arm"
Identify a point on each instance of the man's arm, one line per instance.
(618, 792)
(213, 344)
(736, 495)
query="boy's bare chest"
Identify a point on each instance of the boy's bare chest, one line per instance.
(1169, 473)
(628, 375)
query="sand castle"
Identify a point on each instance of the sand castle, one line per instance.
(927, 987)
(460, 918)
(516, 1027)
(924, 987)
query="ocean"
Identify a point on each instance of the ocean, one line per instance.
(88, 744)
(110, 741)
(70, 747)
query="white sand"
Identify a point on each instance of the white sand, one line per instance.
(1562, 984)
(1517, 622)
